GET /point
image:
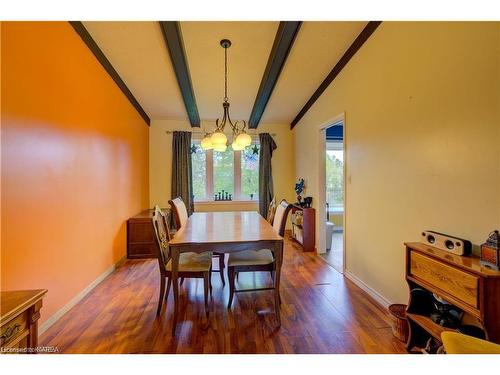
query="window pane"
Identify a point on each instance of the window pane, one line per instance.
(199, 174)
(334, 177)
(249, 174)
(224, 171)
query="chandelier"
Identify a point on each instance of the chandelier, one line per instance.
(218, 140)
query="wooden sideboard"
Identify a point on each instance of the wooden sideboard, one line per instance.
(304, 230)
(460, 281)
(20, 311)
(140, 238)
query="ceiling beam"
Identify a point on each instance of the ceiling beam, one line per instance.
(173, 39)
(285, 36)
(94, 48)
(351, 51)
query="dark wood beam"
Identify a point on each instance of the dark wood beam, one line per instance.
(285, 36)
(94, 48)
(173, 39)
(351, 51)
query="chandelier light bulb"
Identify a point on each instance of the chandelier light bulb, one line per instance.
(218, 138)
(244, 140)
(220, 148)
(237, 146)
(206, 143)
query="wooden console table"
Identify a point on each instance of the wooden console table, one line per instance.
(20, 311)
(460, 281)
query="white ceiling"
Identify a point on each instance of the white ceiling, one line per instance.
(138, 53)
(317, 48)
(247, 59)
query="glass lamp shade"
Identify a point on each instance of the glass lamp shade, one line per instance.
(218, 138)
(220, 148)
(206, 143)
(244, 140)
(237, 146)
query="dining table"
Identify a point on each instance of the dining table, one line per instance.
(225, 232)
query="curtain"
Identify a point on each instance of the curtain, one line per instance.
(266, 188)
(182, 179)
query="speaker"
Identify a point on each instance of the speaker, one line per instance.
(445, 242)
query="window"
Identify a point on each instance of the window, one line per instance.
(234, 172)
(199, 174)
(224, 171)
(249, 174)
(334, 174)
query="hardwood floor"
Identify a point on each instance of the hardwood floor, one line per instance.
(321, 313)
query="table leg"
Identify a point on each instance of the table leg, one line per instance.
(278, 258)
(174, 252)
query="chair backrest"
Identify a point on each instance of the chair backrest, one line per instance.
(271, 211)
(180, 212)
(162, 237)
(280, 217)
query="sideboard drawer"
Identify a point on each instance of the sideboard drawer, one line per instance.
(451, 280)
(13, 329)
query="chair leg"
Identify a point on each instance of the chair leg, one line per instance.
(230, 274)
(221, 269)
(210, 282)
(169, 282)
(162, 293)
(273, 274)
(206, 281)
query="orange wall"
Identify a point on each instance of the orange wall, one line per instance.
(74, 163)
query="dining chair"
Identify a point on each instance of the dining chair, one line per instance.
(180, 219)
(191, 265)
(271, 211)
(256, 260)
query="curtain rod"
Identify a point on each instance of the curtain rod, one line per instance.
(201, 132)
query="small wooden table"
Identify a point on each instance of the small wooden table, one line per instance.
(225, 232)
(461, 281)
(20, 311)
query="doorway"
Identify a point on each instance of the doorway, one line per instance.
(333, 183)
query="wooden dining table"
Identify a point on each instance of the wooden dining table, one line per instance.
(225, 232)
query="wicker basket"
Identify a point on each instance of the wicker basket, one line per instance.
(400, 328)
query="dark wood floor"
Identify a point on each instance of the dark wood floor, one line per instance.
(322, 312)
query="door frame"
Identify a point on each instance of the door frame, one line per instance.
(322, 184)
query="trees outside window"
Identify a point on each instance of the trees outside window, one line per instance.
(335, 178)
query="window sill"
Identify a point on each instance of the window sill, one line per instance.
(226, 202)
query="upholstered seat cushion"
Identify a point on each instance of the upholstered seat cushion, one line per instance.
(250, 258)
(192, 262)
(457, 343)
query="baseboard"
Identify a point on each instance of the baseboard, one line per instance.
(384, 302)
(63, 310)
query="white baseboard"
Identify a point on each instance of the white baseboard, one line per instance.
(63, 310)
(369, 290)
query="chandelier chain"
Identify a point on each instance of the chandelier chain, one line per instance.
(225, 75)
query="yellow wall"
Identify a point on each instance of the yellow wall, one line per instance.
(160, 163)
(422, 123)
(337, 219)
(74, 163)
